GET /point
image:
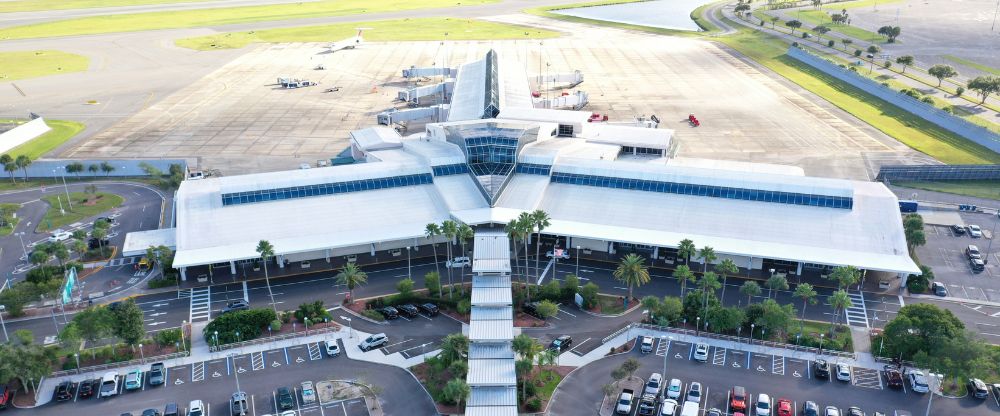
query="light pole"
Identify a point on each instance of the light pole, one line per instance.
(409, 273)
(305, 320)
(236, 373)
(821, 336)
(578, 261)
(697, 325)
(65, 188)
(237, 336)
(183, 324)
(752, 326)
(663, 338)
(2, 324)
(993, 234)
(25, 250)
(142, 355)
(77, 356)
(935, 379)
(216, 334)
(350, 326)
(994, 25)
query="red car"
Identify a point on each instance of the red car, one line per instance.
(738, 398)
(784, 407)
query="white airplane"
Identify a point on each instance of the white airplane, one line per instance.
(348, 43)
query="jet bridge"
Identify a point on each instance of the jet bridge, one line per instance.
(414, 72)
(435, 112)
(576, 101)
(573, 79)
(413, 95)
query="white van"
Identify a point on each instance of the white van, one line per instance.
(109, 384)
(690, 409)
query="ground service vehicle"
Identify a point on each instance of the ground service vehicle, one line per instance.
(894, 379)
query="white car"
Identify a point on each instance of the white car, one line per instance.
(918, 382)
(196, 408)
(332, 348)
(305, 166)
(669, 407)
(843, 372)
(374, 341)
(458, 262)
(308, 393)
(701, 352)
(673, 390)
(647, 345)
(975, 231)
(653, 384)
(763, 406)
(563, 255)
(831, 411)
(694, 392)
(60, 235)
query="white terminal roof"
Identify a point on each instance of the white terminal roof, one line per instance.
(491, 254)
(136, 243)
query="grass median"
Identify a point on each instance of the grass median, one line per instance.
(40, 5)
(62, 130)
(132, 22)
(9, 221)
(32, 64)
(84, 205)
(431, 28)
(971, 64)
(988, 189)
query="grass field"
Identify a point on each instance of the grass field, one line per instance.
(8, 210)
(970, 64)
(980, 189)
(859, 3)
(218, 16)
(38, 5)
(32, 64)
(84, 205)
(820, 17)
(432, 28)
(62, 130)
(901, 125)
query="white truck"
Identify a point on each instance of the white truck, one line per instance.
(624, 405)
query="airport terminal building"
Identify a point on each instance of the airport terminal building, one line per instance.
(608, 189)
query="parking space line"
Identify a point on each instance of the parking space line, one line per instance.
(778, 364)
(691, 352)
(719, 356)
(198, 371)
(286, 355)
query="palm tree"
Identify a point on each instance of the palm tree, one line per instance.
(839, 301)
(686, 250)
(513, 234)
(540, 221)
(726, 267)
(750, 288)
(454, 347)
(707, 255)
(352, 277)
(524, 226)
(776, 282)
(633, 271)
(266, 251)
(683, 274)
(80, 248)
(708, 283)
(548, 357)
(433, 230)
(449, 228)
(22, 163)
(93, 169)
(464, 233)
(845, 276)
(10, 168)
(107, 168)
(805, 292)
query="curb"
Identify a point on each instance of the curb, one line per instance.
(348, 310)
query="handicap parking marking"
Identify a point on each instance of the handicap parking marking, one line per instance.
(719, 356)
(257, 360)
(217, 368)
(799, 368)
(759, 362)
(275, 358)
(662, 347)
(778, 364)
(736, 358)
(679, 349)
(179, 375)
(867, 378)
(315, 352)
(197, 371)
(298, 354)
(240, 364)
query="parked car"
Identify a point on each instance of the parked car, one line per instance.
(86, 389)
(531, 308)
(973, 252)
(308, 393)
(236, 305)
(738, 398)
(701, 352)
(855, 411)
(284, 399)
(694, 392)
(977, 265)
(975, 231)
(64, 391)
(238, 404)
(668, 407)
(784, 408)
(428, 309)
(958, 229)
(713, 412)
(458, 262)
(653, 384)
(821, 368)
(939, 289)
(109, 384)
(389, 312)
(94, 243)
(978, 389)
(996, 389)
(843, 372)
(918, 382)
(196, 408)
(673, 390)
(563, 255)
(151, 412)
(171, 409)
(831, 411)
(5, 395)
(810, 408)
(561, 344)
(646, 346)
(332, 348)
(155, 374)
(763, 405)
(374, 341)
(408, 310)
(893, 378)
(133, 380)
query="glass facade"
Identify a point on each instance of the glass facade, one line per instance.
(706, 190)
(277, 194)
(533, 169)
(445, 170)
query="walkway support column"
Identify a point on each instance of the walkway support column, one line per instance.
(184, 276)
(232, 267)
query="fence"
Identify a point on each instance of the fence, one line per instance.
(731, 338)
(928, 112)
(937, 172)
(119, 364)
(217, 348)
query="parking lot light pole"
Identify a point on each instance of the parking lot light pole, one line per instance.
(752, 326)
(821, 336)
(2, 324)
(663, 338)
(25, 250)
(232, 356)
(409, 273)
(77, 356)
(142, 355)
(183, 324)
(65, 188)
(993, 236)
(697, 326)
(216, 334)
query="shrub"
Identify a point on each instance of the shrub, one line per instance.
(805, 35)
(589, 294)
(830, 43)
(551, 291)
(167, 337)
(795, 44)
(162, 282)
(927, 100)
(857, 52)
(960, 90)
(314, 311)
(275, 325)
(529, 388)
(373, 314)
(286, 317)
(534, 405)
(248, 323)
(885, 84)
(464, 306)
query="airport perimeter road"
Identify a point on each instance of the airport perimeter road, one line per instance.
(778, 376)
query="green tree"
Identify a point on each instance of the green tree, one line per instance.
(793, 24)
(551, 290)
(707, 256)
(405, 288)
(570, 286)
(93, 169)
(941, 72)
(683, 274)
(845, 276)
(750, 289)
(741, 8)
(652, 304)
(95, 323)
(266, 251)
(80, 248)
(632, 271)
(890, 32)
(22, 163)
(522, 368)
(913, 229)
(454, 347)
(449, 229)
(774, 19)
(547, 309)
(726, 267)
(75, 167)
(838, 301)
(5, 159)
(725, 319)
(775, 317)
(695, 303)
(821, 30)
(351, 276)
(589, 294)
(776, 282)
(872, 49)
(38, 257)
(10, 168)
(464, 233)
(920, 327)
(456, 391)
(919, 283)
(686, 250)
(432, 281)
(630, 366)
(905, 61)
(107, 168)
(670, 311)
(984, 86)
(540, 221)
(128, 322)
(805, 292)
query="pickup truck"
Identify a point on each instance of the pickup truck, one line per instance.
(647, 405)
(624, 405)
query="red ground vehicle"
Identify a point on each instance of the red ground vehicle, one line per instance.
(693, 120)
(738, 398)
(785, 407)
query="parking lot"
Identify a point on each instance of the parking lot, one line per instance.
(411, 337)
(945, 254)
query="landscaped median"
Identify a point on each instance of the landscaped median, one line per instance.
(84, 205)
(429, 28)
(31, 64)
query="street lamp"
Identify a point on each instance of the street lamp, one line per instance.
(25, 250)
(305, 320)
(821, 336)
(752, 326)
(409, 273)
(216, 334)
(238, 336)
(935, 379)
(184, 324)
(232, 356)
(578, 261)
(77, 356)
(65, 188)
(350, 326)
(4, 325)
(663, 338)
(697, 325)
(141, 354)
(989, 246)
